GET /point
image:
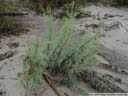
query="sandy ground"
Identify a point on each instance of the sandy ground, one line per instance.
(114, 34)
(11, 61)
(114, 37)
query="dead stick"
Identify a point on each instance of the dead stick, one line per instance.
(51, 85)
(14, 14)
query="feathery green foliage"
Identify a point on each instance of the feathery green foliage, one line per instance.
(62, 55)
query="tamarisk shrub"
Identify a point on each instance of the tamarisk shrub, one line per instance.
(60, 55)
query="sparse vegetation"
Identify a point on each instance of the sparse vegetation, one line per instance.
(101, 82)
(121, 2)
(71, 10)
(42, 5)
(69, 7)
(7, 23)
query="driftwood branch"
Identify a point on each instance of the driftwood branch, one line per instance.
(13, 13)
(51, 85)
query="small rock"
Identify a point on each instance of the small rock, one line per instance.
(93, 25)
(118, 80)
(13, 45)
(108, 16)
(125, 43)
(124, 71)
(2, 93)
(7, 55)
(112, 26)
(11, 60)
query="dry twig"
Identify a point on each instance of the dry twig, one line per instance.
(51, 85)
